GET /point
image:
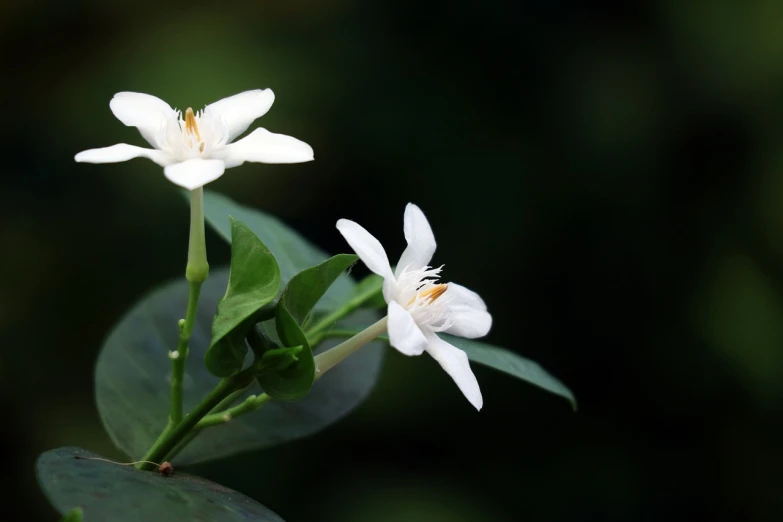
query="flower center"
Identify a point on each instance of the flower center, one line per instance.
(426, 300)
(430, 294)
(191, 134)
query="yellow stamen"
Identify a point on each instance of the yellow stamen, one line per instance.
(190, 123)
(432, 294)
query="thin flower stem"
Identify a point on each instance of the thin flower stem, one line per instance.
(250, 404)
(316, 333)
(331, 334)
(196, 272)
(330, 358)
(180, 357)
(319, 331)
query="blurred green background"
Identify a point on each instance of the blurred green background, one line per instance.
(607, 176)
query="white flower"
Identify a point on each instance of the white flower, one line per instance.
(197, 149)
(419, 307)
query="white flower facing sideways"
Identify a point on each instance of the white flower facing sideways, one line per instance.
(418, 306)
(197, 148)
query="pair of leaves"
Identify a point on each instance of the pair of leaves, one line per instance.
(299, 298)
(253, 283)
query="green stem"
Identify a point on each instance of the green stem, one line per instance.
(224, 389)
(330, 358)
(196, 272)
(317, 332)
(180, 357)
(222, 405)
(231, 399)
(250, 404)
(187, 439)
(165, 433)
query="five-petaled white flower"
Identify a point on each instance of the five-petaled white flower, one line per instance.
(419, 307)
(196, 149)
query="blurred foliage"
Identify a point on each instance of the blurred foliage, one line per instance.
(607, 176)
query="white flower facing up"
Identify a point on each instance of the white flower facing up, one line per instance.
(419, 306)
(197, 148)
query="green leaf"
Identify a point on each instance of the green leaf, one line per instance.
(133, 369)
(306, 288)
(294, 253)
(512, 364)
(108, 491)
(74, 515)
(253, 283)
(227, 357)
(294, 381)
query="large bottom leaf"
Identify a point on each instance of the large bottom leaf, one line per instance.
(110, 492)
(132, 381)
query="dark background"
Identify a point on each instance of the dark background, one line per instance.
(607, 176)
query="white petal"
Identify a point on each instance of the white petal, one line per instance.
(467, 312)
(465, 297)
(240, 110)
(421, 240)
(263, 146)
(194, 173)
(121, 152)
(404, 333)
(143, 111)
(455, 362)
(369, 249)
(469, 323)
